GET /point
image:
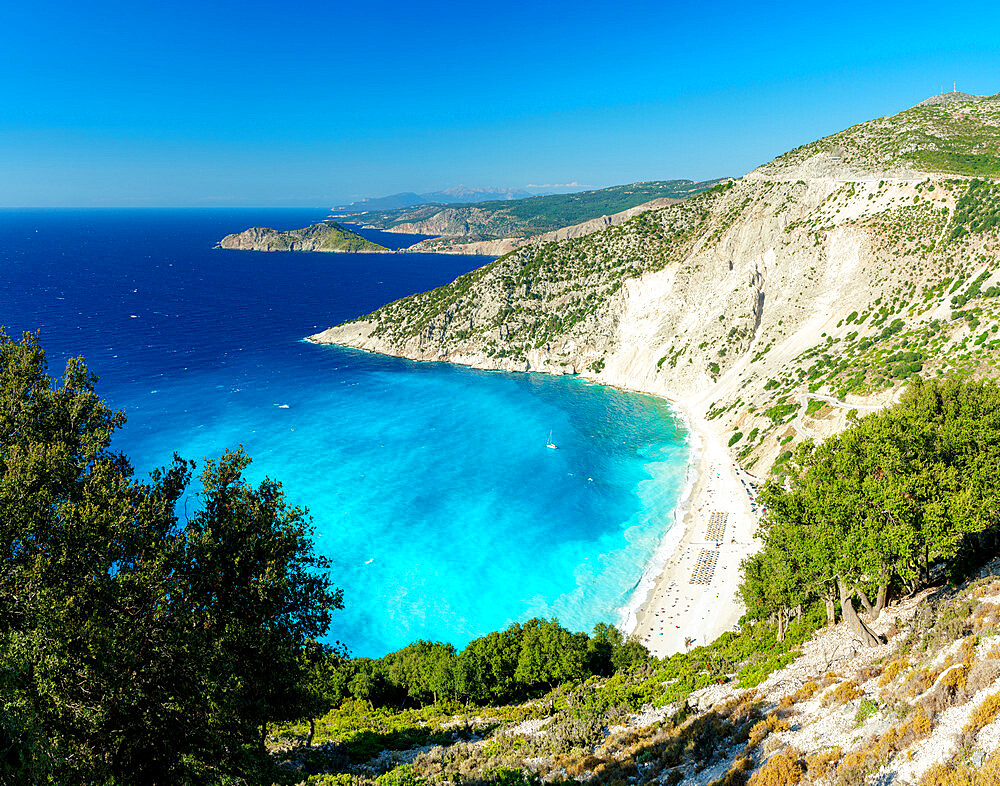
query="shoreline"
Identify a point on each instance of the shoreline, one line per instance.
(672, 536)
(665, 607)
(674, 607)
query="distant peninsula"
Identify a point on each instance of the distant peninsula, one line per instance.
(492, 227)
(325, 236)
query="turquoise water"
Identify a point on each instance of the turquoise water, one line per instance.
(433, 494)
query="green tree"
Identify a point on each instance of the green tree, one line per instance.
(134, 647)
(486, 668)
(550, 655)
(878, 505)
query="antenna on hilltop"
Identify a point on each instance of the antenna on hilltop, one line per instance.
(954, 86)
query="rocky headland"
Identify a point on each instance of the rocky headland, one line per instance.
(771, 310)
(325, 236)
(771, 306)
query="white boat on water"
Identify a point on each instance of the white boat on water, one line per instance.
(550, 444)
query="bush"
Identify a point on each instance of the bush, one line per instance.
(761, 729)
(401, 776)
(984, 672)
(820, 765)
(866, 708)
(845, 692)
(983, 715)
(782, 769)
(963, 774)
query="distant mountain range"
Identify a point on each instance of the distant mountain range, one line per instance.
(456, 195)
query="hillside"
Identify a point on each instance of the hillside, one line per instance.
(771, 306)
(504, 245)
(325, 236)
(923, 707)
(523, 217)
(954, 133)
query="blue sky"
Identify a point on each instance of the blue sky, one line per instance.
(295, 103)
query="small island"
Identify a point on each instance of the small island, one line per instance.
(324, 236)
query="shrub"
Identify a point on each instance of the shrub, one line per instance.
(963, 774)
(401, 776)
(737, 774)
(503, 776)
(983, 715)
(782, 769)
(894, 668)
(329, 779)
(819, 765)
(806, 692)
(762, 728)
(984, 672)
(845, 692)
(866, 709)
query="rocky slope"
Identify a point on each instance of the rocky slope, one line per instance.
(921, 709)
(496, 248)
(326, 236)
(826, 277)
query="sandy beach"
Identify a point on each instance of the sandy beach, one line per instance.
(694, 594)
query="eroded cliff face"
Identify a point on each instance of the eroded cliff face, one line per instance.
(768, 304)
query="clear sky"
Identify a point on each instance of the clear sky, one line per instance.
(312, 103)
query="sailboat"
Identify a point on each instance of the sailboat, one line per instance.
(551, 444)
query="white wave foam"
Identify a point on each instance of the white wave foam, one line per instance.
(671, 536)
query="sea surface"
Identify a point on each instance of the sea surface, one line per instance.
(430, 486)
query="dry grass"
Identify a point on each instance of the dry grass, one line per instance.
(877, 751)
(738, 773)
(806, 692)
(820, 765)
(893, 669)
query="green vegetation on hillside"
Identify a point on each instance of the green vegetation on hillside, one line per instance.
(874, 509)
(336, 237)
(537, 215)
(978, 210)
(961, 138)
(550, 289)
(943, 655)
(576, 712)
(325, 236)
(561, 210)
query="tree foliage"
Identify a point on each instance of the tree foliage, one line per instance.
(522, 661)
(135, 647)
(882, 504)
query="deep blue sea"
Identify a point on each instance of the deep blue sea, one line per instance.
(430, 486)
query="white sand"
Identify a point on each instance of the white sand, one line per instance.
(675, 608)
